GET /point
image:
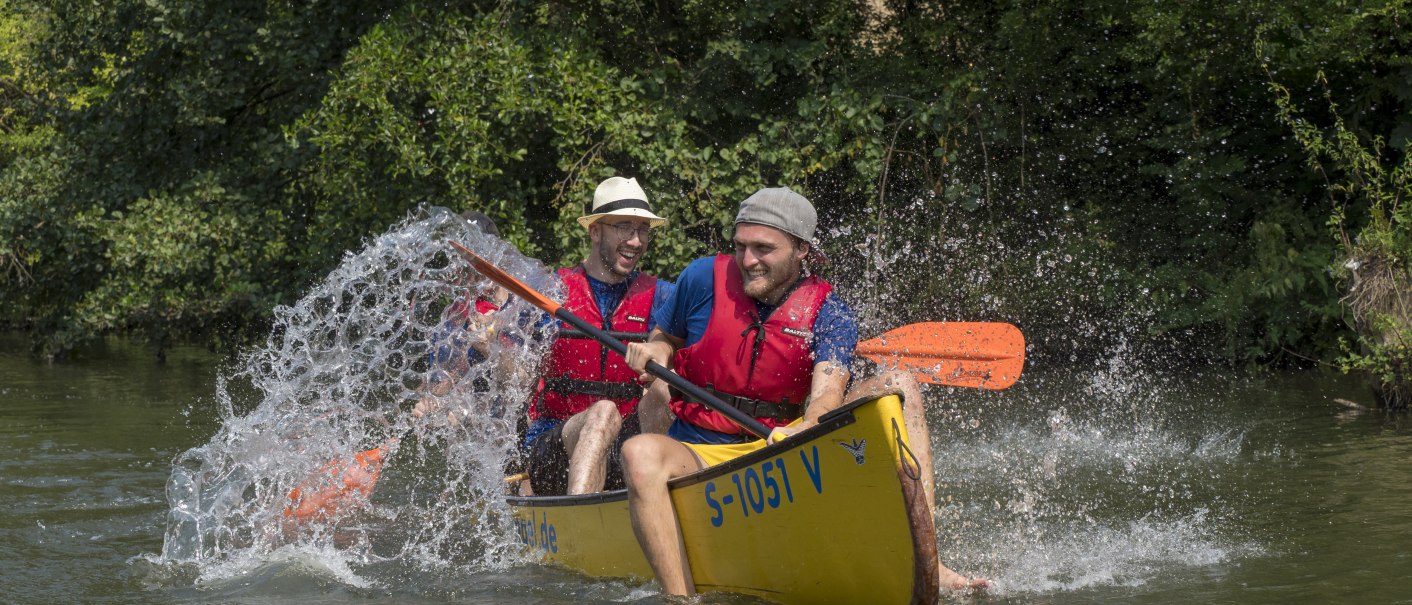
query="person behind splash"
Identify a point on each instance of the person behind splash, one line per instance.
(465, 339)
(800, 337)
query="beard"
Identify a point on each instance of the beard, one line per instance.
(774, 281)
(613, 259)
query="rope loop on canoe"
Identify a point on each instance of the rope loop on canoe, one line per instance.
(913, 470)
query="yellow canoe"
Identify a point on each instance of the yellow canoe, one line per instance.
(835, 514)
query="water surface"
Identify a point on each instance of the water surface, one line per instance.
(1072, 487)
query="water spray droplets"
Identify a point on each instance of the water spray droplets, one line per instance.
(332, 380)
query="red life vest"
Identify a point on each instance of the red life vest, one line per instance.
(459, 311)
(485, 307)
(579, 371)
(739, 356)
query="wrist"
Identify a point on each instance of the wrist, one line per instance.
(663, 351)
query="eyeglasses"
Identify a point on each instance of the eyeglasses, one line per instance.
(626, 231)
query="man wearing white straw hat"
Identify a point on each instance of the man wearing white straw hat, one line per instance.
(589, 400)
(767, 337)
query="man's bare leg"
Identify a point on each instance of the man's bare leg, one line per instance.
(587, 437)
(653, 414)
(649, 462)
(919, 440)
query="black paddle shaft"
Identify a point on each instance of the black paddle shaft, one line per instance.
(623, 336)
(745, 421)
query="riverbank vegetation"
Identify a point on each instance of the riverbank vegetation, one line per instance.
(175, 170)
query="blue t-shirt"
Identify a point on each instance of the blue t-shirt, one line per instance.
(608, 296)
(686, 315)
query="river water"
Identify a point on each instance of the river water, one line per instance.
(1072, 487)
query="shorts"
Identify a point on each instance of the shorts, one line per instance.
(720, 453)
(548, 460)
(686, 432)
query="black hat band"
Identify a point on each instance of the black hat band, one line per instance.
(620, 205)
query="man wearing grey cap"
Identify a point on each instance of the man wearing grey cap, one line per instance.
(761, 333)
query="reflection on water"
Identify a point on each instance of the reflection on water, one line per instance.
(87, 449)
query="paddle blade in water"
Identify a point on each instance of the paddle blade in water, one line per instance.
(963, 354)
(340, 486)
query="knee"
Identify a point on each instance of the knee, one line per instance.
(642, 462)
(637, 452)
(899, 379)
(604, 413)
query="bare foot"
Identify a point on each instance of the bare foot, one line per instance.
(951, 580)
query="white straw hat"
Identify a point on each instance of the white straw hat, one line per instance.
(618, 196)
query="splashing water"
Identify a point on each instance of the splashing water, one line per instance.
(334, 379)
(1113, 484)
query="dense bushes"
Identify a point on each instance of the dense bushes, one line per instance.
(1362, 153)
(1072, 167)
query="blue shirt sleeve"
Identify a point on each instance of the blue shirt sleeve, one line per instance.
(835, 332)
(664, 294)
(686, 311)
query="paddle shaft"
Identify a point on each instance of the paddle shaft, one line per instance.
(971, 346)
(981, 355)
(1003, 343)
(696, 393)
(623, 336)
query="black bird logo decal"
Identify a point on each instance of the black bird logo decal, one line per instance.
(856, 448)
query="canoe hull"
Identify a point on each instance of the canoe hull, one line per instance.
(834, 515)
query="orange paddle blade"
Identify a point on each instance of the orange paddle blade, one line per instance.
(963, 354)
(340, 484)
(499, 276)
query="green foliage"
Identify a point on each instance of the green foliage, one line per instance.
(1367, 184)
(167, 163)
(1126, 168)
(1387, 365)
(43, 252)
(23, 85)
(1068, 166)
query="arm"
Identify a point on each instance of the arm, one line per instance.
(449, 362)
(466, 340)
(660, 347)
(825, 395)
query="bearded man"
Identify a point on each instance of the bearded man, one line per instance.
(589, 401)
(765, 336)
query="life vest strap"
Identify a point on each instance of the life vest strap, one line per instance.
(758, 408)
(597, 388)
(623, 336)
